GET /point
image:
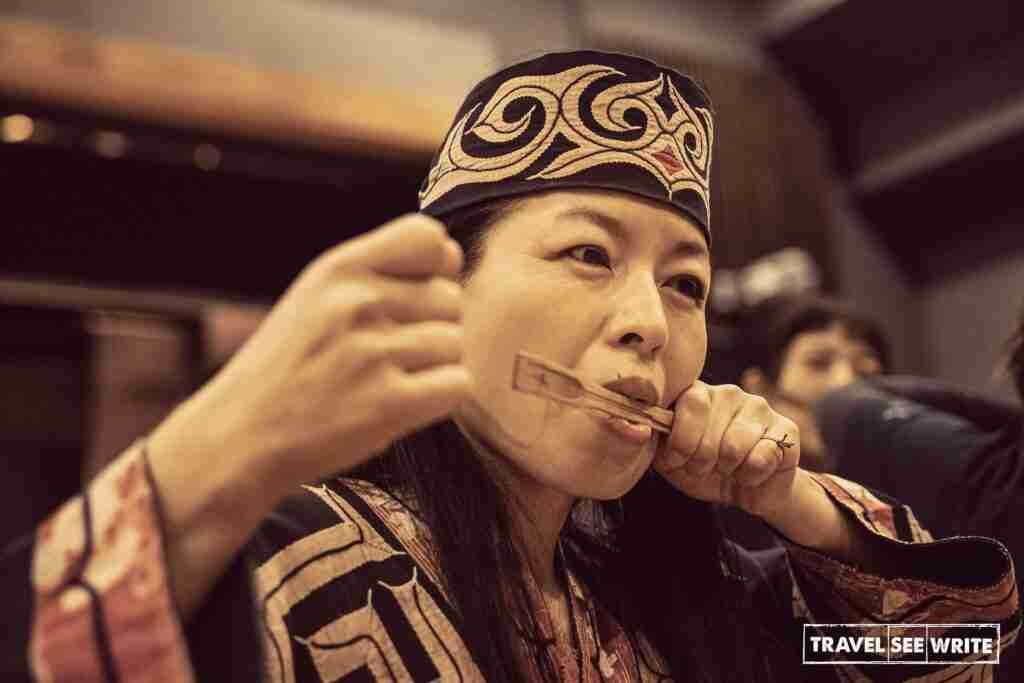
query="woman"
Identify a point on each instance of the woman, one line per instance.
(518, 539)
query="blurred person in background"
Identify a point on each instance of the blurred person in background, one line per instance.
(802, 347)
(955, 456)
(475, 532)
(797, 348)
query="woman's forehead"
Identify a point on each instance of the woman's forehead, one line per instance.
(622, 215)
(836, 334)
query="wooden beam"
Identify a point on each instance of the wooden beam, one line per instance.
(164, 85)
(43, 294)
(780, 17)
(945, 148)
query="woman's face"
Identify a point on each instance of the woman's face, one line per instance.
(609, 285)
(818, 361)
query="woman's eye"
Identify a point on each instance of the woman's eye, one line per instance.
(591, 255)
(868, 367)
(819, 362)
(688, 286)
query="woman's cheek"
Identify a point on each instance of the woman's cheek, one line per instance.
(494, 335)
(689, 353)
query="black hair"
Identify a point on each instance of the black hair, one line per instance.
(770, 326)
(627, 551)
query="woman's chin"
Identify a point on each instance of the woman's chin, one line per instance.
(595, 473)
(609, 465)
(608, 485)
(582, 454)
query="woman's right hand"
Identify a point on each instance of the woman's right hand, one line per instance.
(363, 348)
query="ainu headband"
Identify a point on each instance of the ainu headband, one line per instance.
(578, 120)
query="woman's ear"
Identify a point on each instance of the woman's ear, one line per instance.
(753, 381)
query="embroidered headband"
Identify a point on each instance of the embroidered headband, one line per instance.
(578, 120)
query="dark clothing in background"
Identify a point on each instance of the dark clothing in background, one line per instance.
(956, 458)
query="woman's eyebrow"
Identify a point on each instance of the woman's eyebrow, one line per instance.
(686, 248)
(601, 220)
(691, 249)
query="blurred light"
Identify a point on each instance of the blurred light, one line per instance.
(16, 128)
(110, 144)
(726, 291)
(787, 272)
(207, 157)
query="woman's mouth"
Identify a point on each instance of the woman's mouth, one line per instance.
(628, 430)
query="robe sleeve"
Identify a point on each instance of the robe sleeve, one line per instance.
(959, 580)
(89, 596)
(99, 604)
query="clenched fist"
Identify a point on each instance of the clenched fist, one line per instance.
(728, 446)
(363, 348)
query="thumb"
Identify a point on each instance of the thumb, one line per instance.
(692, 410)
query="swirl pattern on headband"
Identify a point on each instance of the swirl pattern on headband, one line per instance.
(557, 128)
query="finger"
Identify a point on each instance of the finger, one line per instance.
(453, 261)
(769, 456)
(430, 395)
(738, 443)
(724, 408)
(762, 463)
(692, 409)
(403, 301)
(745, 430)
(414, 245)
(421, 345)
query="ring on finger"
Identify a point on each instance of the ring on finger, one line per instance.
(782, 443)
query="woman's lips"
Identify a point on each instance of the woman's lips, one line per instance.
(629, 431)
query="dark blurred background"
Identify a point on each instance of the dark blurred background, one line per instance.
(167, 168)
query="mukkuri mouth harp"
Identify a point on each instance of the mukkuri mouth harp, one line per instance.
(535, 375)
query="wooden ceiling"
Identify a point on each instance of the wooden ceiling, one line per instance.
(925, 106)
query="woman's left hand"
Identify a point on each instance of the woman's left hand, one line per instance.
(728, 446)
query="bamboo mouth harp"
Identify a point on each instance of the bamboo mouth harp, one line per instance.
(539, 376)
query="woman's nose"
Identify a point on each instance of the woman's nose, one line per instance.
(841, 375)
(639, 317)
